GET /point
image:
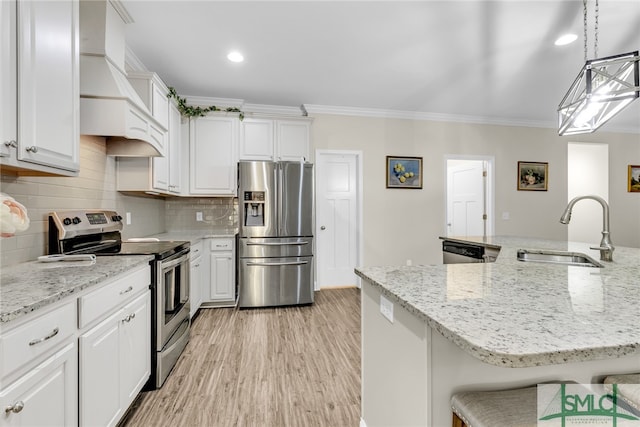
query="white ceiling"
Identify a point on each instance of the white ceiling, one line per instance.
(485, 61)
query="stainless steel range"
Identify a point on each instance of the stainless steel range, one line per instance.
(99, 232)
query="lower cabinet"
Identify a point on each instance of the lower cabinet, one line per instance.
(46, 394)
(220, 288)
(115, 363)
(196, 277)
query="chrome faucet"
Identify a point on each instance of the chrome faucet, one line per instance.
(606, 247)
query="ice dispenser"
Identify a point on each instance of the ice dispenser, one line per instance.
(254, 208)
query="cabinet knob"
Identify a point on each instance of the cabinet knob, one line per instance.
(15, 408)
(323, 228)
(11, 144)
(32, 149)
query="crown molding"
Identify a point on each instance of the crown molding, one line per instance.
(122, 11)
(132, 62)
(276, 110)
(417, 115)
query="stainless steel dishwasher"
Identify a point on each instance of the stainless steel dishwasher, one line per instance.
(455, 252)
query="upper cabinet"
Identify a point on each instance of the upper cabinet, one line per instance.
(40, 121)
(154, 174)
(268, 139)
(213, 142)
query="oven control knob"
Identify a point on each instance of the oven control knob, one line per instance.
(116, 218)
(76, 220)
(66, 221)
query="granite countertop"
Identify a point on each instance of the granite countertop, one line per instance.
(29, 286)
(515, 314)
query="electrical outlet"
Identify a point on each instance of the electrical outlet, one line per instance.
(505, 216)
(386, 308)
(409, 262)
(127, 217)
(199, 216)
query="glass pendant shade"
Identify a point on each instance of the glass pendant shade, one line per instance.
(603, 88)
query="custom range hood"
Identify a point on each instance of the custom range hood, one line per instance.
(109, 105)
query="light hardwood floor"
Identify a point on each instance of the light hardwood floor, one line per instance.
(292, 366)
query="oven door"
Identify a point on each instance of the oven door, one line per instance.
(172, 296)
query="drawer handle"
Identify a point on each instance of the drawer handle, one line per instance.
(129, 289)
(15, 408)
(51, 335)
(129, 317)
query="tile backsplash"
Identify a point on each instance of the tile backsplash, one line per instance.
(95, 188)
(181, 213)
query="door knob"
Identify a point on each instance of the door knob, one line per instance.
(323, 228)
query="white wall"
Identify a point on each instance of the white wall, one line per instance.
(402, 224)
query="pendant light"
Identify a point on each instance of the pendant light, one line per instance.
(603, 88)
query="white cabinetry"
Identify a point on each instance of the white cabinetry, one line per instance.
(46, 395)
(196, 277)
(115, 354)
(154, 174)
(39, 361)
(268, 139)
(212, 156)
(220, 290)
(40, 122)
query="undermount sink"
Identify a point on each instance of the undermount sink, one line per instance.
(557, 257)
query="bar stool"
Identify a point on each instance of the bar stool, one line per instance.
(508, 408)
(628, 389)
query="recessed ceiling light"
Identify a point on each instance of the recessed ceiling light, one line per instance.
(235, 56)
(565, 39)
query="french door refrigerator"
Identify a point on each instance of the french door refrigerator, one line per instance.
(275, 235)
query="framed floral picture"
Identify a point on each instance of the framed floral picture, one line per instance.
(633, 181)
(404, 172)
(533, 176)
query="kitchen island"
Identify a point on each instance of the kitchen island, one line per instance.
(492, 326)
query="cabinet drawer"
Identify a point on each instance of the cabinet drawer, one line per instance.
(34, 338)
(109, 297)
(221, 244)
(196, 249)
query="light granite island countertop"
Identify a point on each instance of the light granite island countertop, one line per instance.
(466, 326)
(30, 286)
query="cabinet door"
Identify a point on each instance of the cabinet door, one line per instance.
(175, 150)
(161, 172)
(135, 347)
(160, 104)
(196, 285)
(292, 140)
(8, 69)
(48, 83)
(48, 394)
(212, 159)
(256, 139)
(100, 373)
(222, 284)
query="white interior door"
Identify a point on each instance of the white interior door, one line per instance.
(336, 219)
(466, 190)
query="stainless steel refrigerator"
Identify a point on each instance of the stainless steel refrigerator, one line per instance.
(275, 236)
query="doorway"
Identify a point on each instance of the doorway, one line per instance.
(338, 217)
(469, 191)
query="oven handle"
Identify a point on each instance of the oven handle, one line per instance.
(181, 258)
(278, 244)
(270, 264)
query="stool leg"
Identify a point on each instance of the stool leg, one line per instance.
(457, 422)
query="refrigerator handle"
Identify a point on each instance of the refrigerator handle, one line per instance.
(277, 244)
(271, 264)
(279, 195)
